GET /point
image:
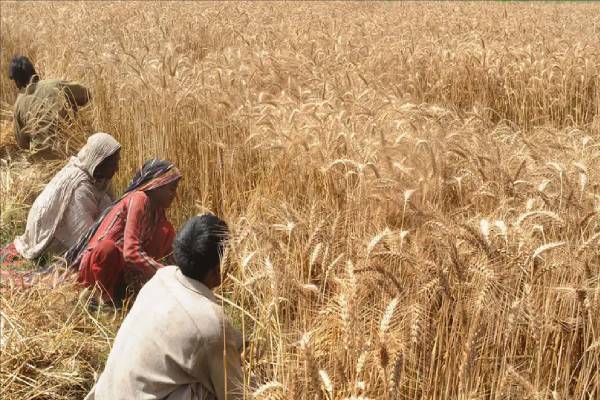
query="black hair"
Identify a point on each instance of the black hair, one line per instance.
(199, 245)
(21, 71)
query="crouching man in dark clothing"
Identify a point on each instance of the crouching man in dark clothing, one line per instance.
(42, 104)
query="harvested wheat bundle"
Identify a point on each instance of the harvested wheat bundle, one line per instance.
(52, 344)
(20, 183)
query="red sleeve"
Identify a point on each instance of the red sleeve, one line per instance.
(137, 219)
(168, 234)
(161, 244)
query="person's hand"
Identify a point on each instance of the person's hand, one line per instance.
(245, 350)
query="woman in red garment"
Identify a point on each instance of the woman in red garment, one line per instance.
(124, 247)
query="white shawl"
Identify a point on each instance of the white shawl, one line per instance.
(49, 208)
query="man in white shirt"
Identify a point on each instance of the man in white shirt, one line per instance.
(176, 343)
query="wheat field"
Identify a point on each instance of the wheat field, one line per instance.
(413, 188)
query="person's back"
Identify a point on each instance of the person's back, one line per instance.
(173, 335)
(43, 104)
(69, 203)
(171, 345)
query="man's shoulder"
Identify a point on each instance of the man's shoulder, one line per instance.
(167, 272)
(47, 84)
(172, 306)
(200, 306)
(52, 87)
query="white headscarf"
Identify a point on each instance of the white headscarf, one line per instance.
(48, 209)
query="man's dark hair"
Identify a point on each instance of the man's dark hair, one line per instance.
(21, 70)
(199, 245)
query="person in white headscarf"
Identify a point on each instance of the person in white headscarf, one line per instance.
(71, 202)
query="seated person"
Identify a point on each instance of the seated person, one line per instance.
(124, 247)
(176, 342)
(42, 104)
(70, 202)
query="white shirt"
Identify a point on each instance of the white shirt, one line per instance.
(173, 338)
